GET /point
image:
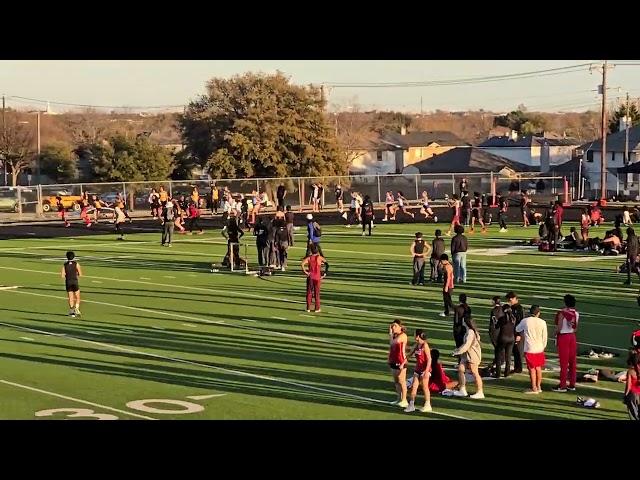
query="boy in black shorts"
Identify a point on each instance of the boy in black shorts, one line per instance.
(71, 272)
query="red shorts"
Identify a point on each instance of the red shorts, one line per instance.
(456, 219)
(534, 360)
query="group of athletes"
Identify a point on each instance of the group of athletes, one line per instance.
(275, 235)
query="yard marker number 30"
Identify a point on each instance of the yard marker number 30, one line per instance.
(150, 405)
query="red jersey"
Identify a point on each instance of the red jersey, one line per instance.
(421, 359)
(456, 209)
(438, 380)
(448, 276)
(396, 352)
(314, 267)
(635, 385)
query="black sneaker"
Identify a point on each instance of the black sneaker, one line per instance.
(560, 389)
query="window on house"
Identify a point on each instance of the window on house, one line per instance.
(418, 152)
(589, 155)
(613, 156)
(379, 155)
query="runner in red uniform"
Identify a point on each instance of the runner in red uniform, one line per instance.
(454, 204)
(398, 361)
(421, 373)
(312, 268)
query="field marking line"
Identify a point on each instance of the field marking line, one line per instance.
(65, 397)
(205, 397)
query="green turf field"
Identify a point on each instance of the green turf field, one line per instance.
(163, 338)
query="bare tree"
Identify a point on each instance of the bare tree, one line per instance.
(353, 131)
(15, 149)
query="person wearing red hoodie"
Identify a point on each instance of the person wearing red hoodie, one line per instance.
(566, 327)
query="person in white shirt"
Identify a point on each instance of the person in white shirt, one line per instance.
(534, 331)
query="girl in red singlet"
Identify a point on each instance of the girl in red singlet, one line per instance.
(312, 268)
(421, 373)
(454, 204)
(398, 361)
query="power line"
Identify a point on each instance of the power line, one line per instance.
(468, 80)
(20, 99)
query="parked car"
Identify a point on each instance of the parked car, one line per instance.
(70, 202)
(8, 202)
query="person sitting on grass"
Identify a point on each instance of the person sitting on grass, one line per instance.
(439, 381)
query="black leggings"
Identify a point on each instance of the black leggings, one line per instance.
(366, 222)
(503, 223)
(194, 223)
(503, 349)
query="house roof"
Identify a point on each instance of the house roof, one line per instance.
(616, 141)
(467, 160)
(422, 139)
(572, 165)
(528, 142)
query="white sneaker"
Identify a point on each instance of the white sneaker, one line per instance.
(435, 219)
(426, 408)
(460, 393)
(443, 314)
(403, 404)
(477, 396)
(410, 408)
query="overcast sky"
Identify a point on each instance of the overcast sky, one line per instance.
(175, 82)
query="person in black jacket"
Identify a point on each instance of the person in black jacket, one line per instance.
(368, 214)
(505, 340)
(494, 316)
(419, 250)
(261, 234)
(232, 232)
(518, 312)
(632, 254)
(461, 312)
(437, 249)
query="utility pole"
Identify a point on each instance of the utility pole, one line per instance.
(603, 153)
(38, 157)
(421, 106)
(626, 133)
(4, 136)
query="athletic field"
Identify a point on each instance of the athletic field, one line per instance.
(161, 337)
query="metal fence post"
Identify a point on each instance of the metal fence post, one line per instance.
(379, 196)
(170, 189)
(20, 203)
(453, 184)
(39, 211)
(417, 188)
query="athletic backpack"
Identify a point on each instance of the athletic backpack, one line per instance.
(317, 231)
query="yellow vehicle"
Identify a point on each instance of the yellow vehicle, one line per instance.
(70, 202)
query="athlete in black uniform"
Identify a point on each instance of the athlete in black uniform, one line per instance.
(419, 250)
(71, 272)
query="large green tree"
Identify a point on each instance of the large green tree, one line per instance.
(59, 162)
(128, 160)
(621, 112)
(258, 125)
